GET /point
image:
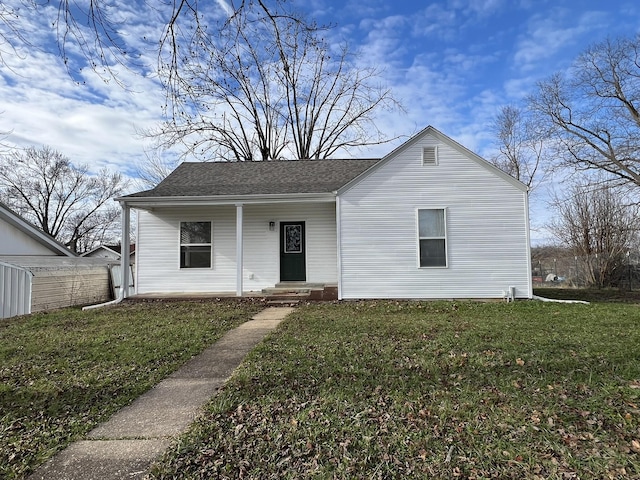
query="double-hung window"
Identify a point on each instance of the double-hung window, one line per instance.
(432, 237)
(195, 244)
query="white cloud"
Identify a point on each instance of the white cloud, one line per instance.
(480, 8)
(558, 31)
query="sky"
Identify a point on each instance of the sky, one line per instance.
(451, 64)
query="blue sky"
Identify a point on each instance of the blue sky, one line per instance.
(452, 63)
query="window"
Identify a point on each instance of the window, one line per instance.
(430, 155)
(195, 244)
(432, 237)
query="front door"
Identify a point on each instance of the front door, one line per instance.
(292, 262)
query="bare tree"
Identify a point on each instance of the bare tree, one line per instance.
(65, 201)
(598, 226)
(593, 110)
(520, 144)
(92, 31)
(266, 86)
(154, 168)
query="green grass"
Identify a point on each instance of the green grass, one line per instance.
(428, 390)
(63, 372)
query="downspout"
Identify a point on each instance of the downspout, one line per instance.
(556, 300)
(124, 261)
(339, 244)
(528, 227)
(239, 250)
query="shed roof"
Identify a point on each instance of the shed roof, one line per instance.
(258, 178)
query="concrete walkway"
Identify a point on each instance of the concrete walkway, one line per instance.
(125, 446)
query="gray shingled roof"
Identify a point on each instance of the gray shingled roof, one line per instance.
(258, 178)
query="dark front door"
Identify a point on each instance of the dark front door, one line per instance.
(292, 264)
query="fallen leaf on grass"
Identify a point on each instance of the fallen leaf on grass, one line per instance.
(520, 361)
(635, 446)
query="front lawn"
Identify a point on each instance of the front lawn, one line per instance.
(428, 390)
(61, 373)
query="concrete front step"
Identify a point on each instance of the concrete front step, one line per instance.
(286, 291)
(297, 291)
(309, 285)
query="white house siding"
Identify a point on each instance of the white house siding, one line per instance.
(15, 242)
(158, 265)
(487, 229)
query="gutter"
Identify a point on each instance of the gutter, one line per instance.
(173, 201)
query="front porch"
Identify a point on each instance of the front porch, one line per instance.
(283, 292)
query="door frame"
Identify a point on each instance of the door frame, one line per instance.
(281, 253)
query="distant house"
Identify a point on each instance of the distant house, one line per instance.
(429, 220)
(39, 273)
(111, 252)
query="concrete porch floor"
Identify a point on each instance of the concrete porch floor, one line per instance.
(280, 291)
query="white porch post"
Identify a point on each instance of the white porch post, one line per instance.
(124, 250)
(239, 249)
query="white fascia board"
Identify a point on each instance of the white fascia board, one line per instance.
(190, 201)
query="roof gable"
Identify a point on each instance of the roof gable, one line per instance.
(195, 179)
(429, 130)
(15, 220)
(113, 249)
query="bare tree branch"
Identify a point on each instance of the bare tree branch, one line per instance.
(66, 202)
(521, 145)
(154, 169)
(265, 87)
(598, 226)
(593, 110)
(91, 31)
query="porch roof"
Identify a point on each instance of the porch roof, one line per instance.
(282, 177)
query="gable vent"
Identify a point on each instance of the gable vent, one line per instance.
(430, 155)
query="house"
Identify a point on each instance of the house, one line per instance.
(112, 252)
(429, 220)
(38, 273)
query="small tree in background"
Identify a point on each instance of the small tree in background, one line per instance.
(599, 227)
(520, 144)
(65, 201)
(155, 168)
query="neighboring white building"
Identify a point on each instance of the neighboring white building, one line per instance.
(111, 252)
(39, 273)
(429, 220)
(19, 237)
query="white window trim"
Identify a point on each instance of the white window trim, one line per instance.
(435, 155)
(180, 244)
(446, 238)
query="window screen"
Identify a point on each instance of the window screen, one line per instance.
(432, 237)
(195, 244)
